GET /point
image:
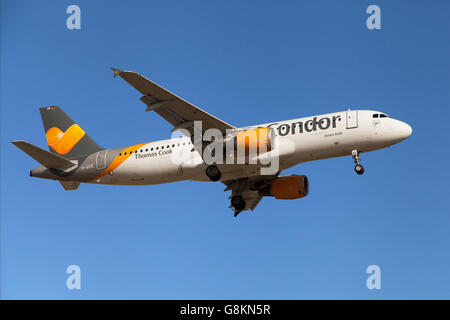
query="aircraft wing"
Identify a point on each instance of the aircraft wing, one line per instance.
(178, 112)
(250, 189)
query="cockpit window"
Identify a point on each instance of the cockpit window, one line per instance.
(375, 115)
(383, 115)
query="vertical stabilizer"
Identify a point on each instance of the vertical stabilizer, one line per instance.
(64, 136)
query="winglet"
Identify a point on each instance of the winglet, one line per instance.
(116, 72)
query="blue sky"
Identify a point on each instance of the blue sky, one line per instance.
(246, 62)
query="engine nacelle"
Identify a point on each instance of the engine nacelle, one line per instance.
(254, 140)
(290, 187)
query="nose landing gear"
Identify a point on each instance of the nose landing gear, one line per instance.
(359, 169)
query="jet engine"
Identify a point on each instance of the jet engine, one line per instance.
(289, 187)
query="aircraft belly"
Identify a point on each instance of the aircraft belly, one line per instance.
(148, 171)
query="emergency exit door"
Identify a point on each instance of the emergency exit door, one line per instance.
(100, 160)
(352, 119)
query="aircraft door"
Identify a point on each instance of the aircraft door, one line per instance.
(100, 160)
(352, 119)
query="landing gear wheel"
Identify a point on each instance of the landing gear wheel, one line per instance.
(213, 173)
(359, 169)
(238, 203)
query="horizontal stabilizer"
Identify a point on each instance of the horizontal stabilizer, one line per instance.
(69, 185)
(46, 158)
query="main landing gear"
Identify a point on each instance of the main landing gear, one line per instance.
(359, 169)
(238, 203)
(213, 173)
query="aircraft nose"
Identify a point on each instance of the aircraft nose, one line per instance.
(405, 130)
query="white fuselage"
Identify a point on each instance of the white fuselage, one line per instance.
(299, 140)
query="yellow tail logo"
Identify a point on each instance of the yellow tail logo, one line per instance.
(63, 142)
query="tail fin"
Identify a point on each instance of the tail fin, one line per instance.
(65, 137)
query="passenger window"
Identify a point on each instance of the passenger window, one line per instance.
(173, 146)
(120, 154)
(157, 148)
(146, 150)
(151, 149)
(375, 115)
(125, 153)
(142, 150)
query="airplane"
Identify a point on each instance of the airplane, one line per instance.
(75, 158)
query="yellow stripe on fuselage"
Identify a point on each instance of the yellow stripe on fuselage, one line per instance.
(119, 159)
